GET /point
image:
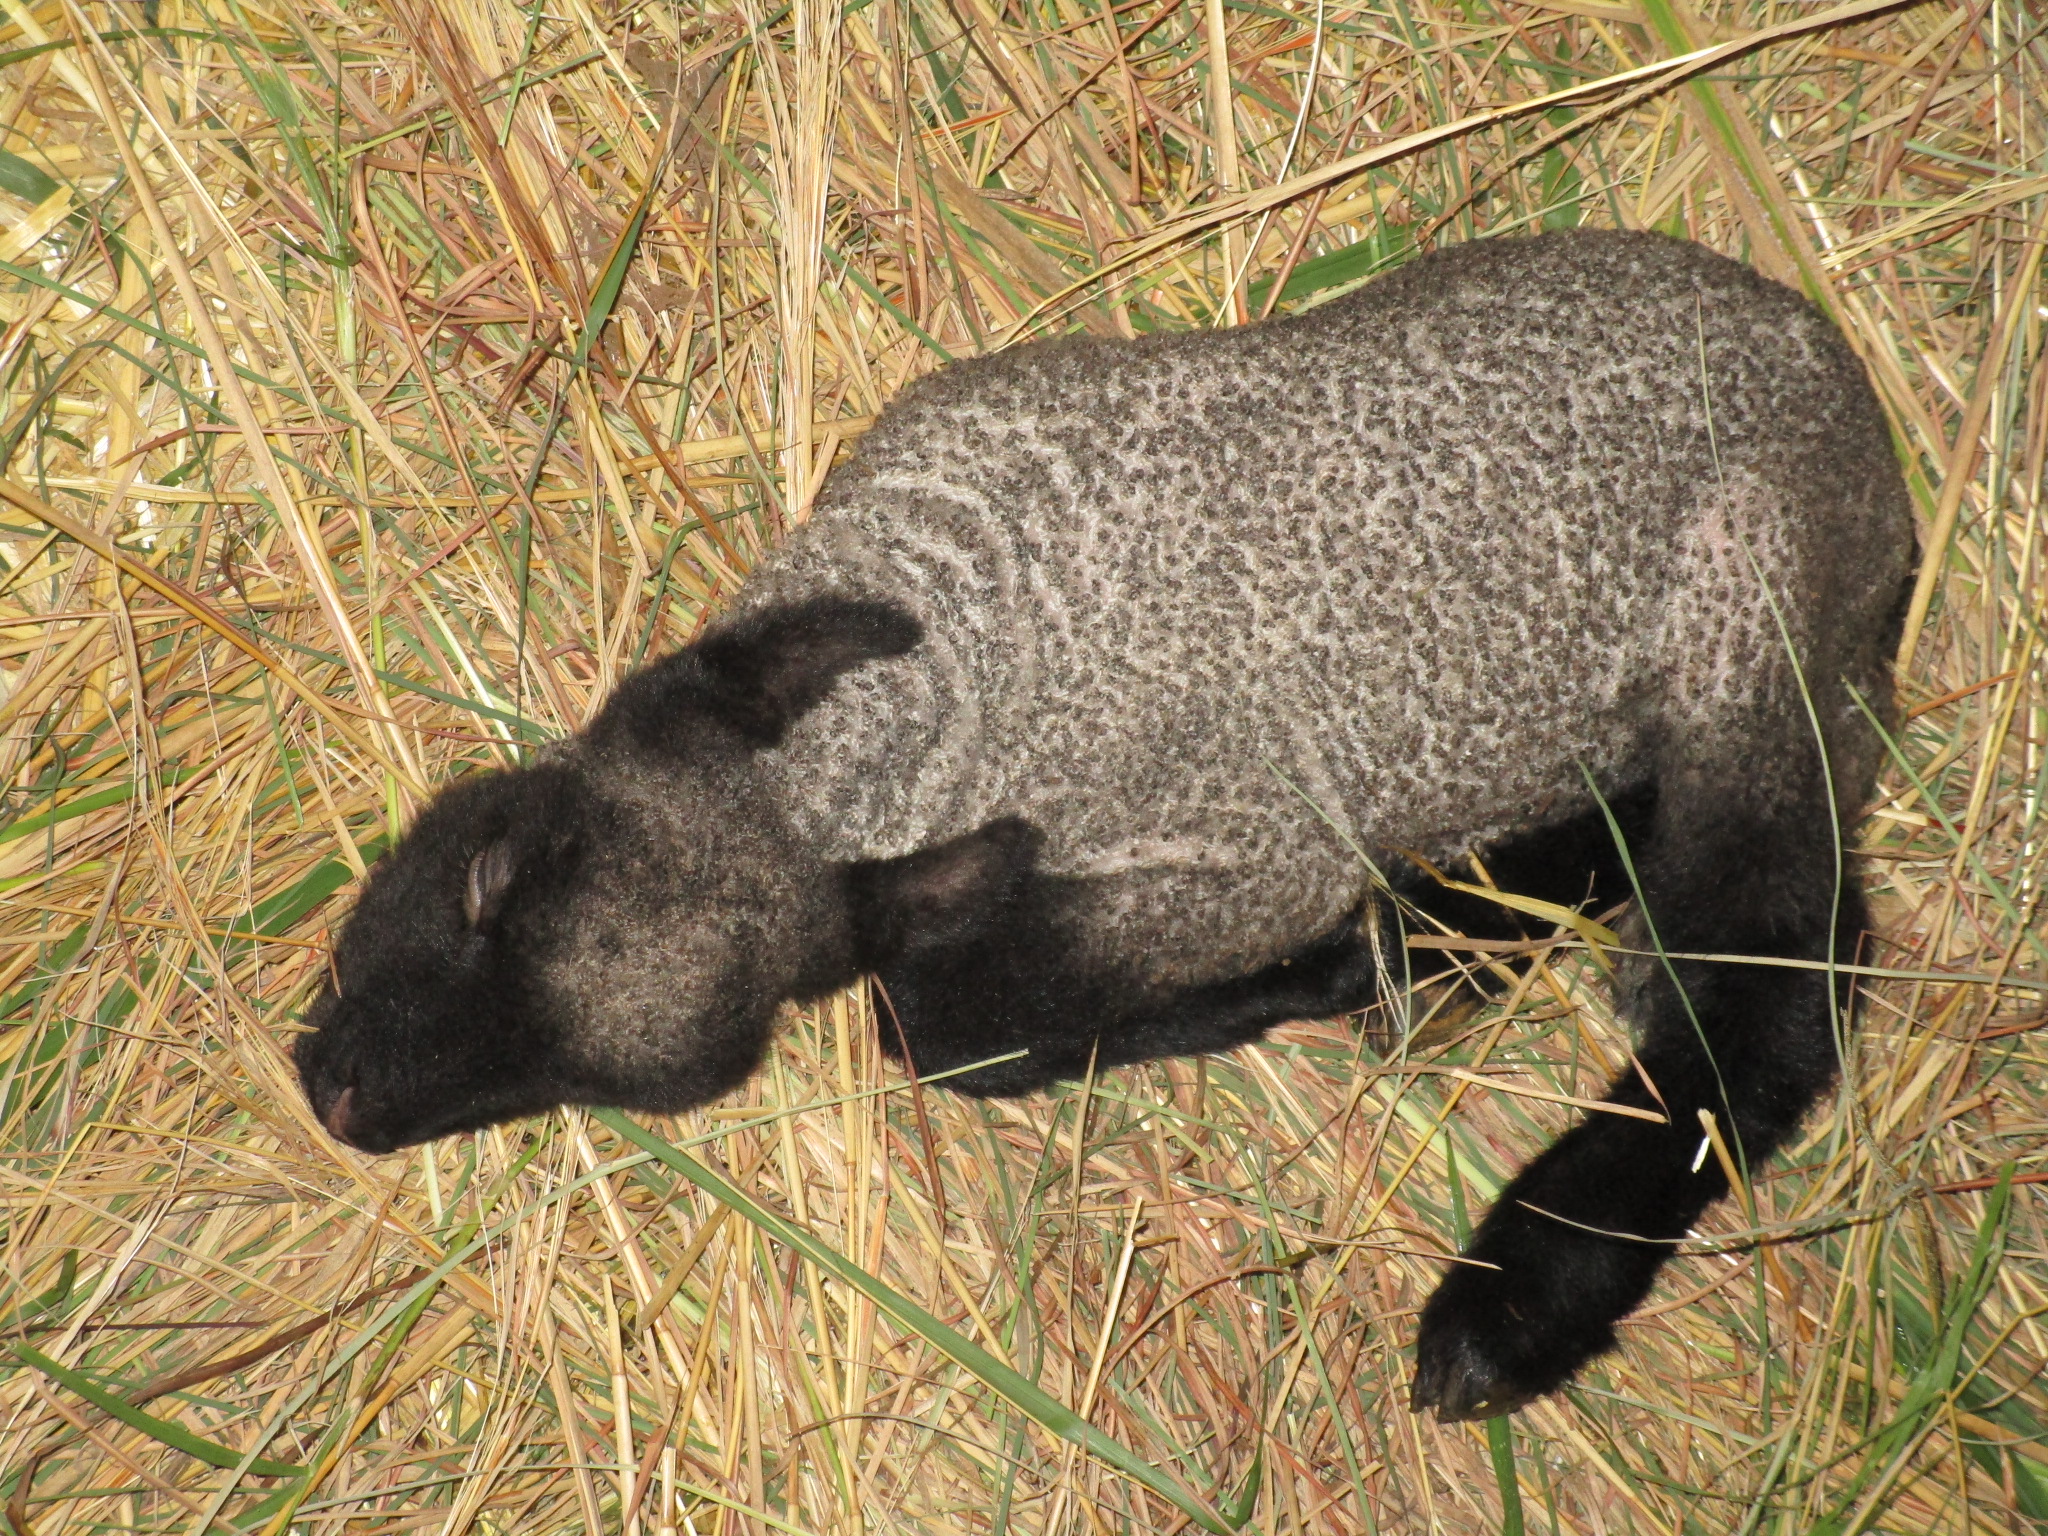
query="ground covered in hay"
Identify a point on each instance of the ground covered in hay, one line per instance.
(383, 381)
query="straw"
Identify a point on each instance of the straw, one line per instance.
(384, 382)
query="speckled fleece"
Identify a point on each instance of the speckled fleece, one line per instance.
(1217, 611)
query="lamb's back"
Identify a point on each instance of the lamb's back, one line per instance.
(1409, 556)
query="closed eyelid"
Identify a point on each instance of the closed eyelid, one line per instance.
(490, 872)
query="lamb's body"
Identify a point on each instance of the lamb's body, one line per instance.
(1423, 552)
(1078, 709)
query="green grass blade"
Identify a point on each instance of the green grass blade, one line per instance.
(1500, 1443)
(208, 1451)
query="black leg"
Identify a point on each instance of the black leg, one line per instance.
(950, 1007)
(1577, 1238)
(1339, 973)
(983, 998)
(1572, 863)
(960, 991)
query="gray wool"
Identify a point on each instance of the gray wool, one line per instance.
(1216, 612)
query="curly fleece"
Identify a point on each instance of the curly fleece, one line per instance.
(1218, 612)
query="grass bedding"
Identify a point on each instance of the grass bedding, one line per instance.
(384, 381)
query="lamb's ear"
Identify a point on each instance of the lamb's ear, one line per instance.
(764, 670)
(941, 895)
(757, 674)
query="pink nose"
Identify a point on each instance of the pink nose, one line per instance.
(336, 1119)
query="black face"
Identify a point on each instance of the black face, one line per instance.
(537, 940)
(439, 1023)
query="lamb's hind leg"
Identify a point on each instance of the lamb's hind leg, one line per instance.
(1576, 1239)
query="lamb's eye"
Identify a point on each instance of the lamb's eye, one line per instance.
(490, 871)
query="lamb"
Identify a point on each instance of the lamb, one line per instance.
(1106, 675)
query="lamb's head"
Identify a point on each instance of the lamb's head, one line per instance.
(614, 925)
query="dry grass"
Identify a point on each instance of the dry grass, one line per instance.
(383, 381)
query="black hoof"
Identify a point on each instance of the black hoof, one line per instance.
(1484, 1350)
(1454, 1377)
